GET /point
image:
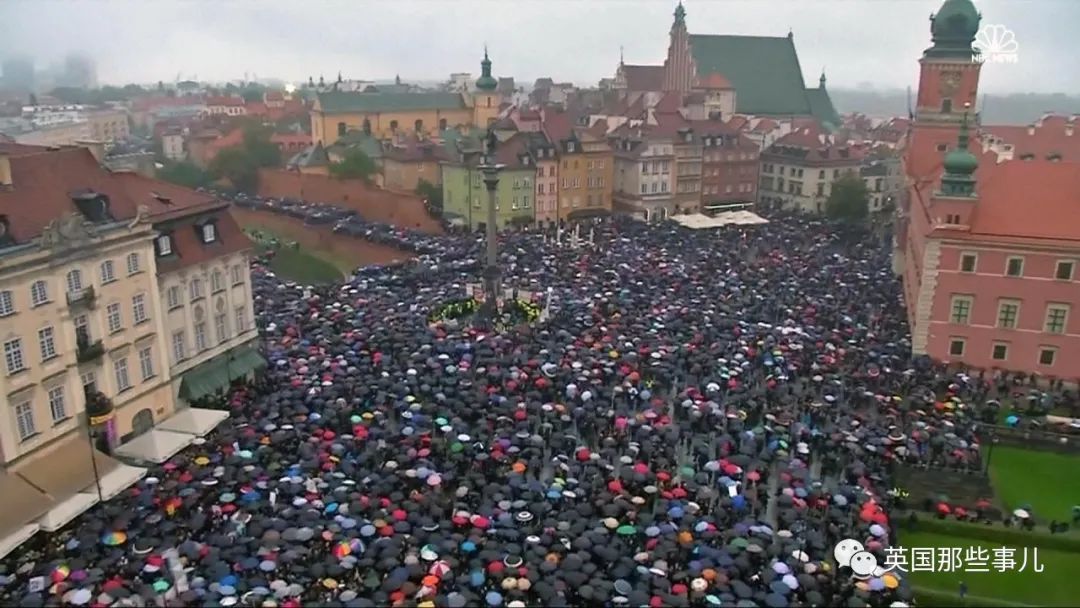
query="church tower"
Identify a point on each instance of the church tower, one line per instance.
(486, 99)
(949, 73)
(679, 65)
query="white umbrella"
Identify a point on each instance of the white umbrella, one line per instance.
(1022, 514)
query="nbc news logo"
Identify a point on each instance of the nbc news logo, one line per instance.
(996, 44)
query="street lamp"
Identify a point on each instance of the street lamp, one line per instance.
(491, 169)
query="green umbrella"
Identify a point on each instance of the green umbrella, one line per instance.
(738, 544)
(161, 585)
(626, 530)
(456, 447)
(687, 471)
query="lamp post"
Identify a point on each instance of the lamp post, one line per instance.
(490, 170)
(97, 412)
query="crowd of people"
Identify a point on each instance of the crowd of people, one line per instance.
(701, 417)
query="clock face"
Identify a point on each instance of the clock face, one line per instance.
(949, 82)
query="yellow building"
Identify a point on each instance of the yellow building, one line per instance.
(87, 262)
(384, 114)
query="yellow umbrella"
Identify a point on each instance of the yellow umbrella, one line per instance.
(202, 461)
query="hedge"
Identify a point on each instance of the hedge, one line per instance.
(996, 533)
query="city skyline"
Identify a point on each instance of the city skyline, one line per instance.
(285, 42)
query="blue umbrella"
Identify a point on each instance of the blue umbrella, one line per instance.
(493, 598)
(267, 566)
(1012, 420)
(476, 578)
(675, 512)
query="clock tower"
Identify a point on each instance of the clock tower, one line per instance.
(949, 73)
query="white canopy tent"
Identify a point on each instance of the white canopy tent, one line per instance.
(193, 421)
(12, 541)
(118, 480)
(154, 446)
(63, 513)
(698, 221)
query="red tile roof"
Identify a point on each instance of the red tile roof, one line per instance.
(274, 96)
(188, 248)
(256, 108)
(819, 146)
(669, 103)
(145, 104)
(1049, 136)
(13, 149)
(42, 185)
(1032, 199)
(225, 100)
(765, 125)
(644, 77)
(715, 80)
(290, 138)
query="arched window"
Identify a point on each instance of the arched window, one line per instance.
(39, 293)
(367, 127)
(418, 125)
(393, 125)
(442, 124)
(74, 281)
(946, 105)
(341, 128)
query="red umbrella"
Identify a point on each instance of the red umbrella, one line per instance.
(943, 508)
(753, 476)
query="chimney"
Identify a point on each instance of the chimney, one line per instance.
(1031, 129)
(1069, 129)
(5, 172)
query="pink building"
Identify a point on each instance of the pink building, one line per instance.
(991, 249)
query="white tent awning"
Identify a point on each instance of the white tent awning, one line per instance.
(155, 446)
(194, 421)
(697, 221)
(63, 513)
(118, 480)
(12, 541)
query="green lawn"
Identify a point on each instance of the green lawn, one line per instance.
(1056, 585)
(1047, 481)
(302, 267)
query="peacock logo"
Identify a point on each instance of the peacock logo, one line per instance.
(996, 44)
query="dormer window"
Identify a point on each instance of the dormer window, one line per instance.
(164, 245)
(207, 232)
(569, 146)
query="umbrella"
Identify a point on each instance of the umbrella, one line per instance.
(113, 539)
(1021, 513)
(626, 530)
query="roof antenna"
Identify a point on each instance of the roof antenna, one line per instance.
(910, 114)
(621, 62)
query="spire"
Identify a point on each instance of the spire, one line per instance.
(486, 82)
(339, 77)
(960, 164)
(621, 62)
(821, 81)
(680, 14)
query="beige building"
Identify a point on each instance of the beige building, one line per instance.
(644, 173)
(61, 134)
(87, 261)
(108, 125)
(797, 170)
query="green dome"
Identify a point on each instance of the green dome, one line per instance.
(955, 25)
(486, 82)
(960, 162)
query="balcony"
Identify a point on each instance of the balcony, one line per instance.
(87, 350)
(82, 298)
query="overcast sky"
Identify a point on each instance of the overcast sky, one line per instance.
(858, 42)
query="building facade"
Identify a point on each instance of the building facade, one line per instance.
(730, 163)
(465, 195)
(798, 170)
(335, 113)
(644, 174)
(547, 178)
(990, 250)
(687, 171)
(108, 125)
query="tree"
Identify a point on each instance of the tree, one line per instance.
(432, 194)
(184, 174)
(251, 95)
(848, 201)
(237, 166)
(355, 165)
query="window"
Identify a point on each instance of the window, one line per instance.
(341, 128)
(1008, 310)
(108, 272)
(1000, 352)
(89, 382)
(1014, 267)
(654, 187)
(200, 337)
(1064, 271)
(644, 167)
(1057, 316)
(577, 184)
(961, 310)
(418, 125)
(13, 356)
(1047, 355)
(241, 318)
(7, 303)
(74, 281)
(644, 188)
(956, 347)
(133, 263)
(821, 174)
(120, 370)
(172, 297)
(663, 186)
(57, 407)
(163, 244)
(112, 313)
(47, 342)
(217, 281)
(591, 165)
(221, 327)
(393, 125)
(179, 346)
(146, 363)
(821, 189)
(39, 293)
(209, 232)
(138, 308)
(237, 274)
(195, 290)
(967, 262)
(525, 201)
(24, 420)
(82, 329)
